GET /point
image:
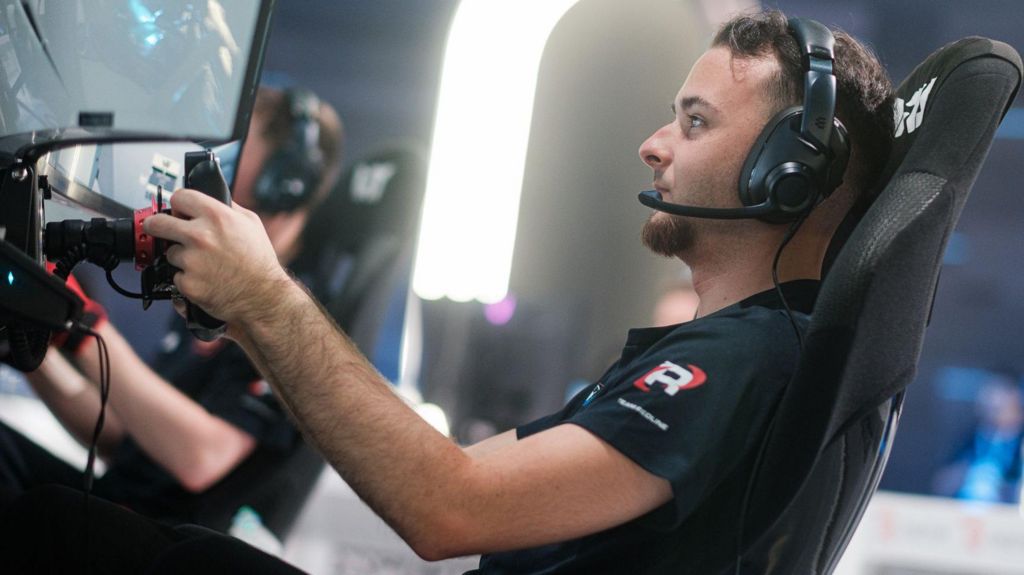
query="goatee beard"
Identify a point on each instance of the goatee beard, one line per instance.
(668, 235)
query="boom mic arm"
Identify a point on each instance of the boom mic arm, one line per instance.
(652, 199)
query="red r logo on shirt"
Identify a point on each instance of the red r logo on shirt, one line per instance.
(672, 377)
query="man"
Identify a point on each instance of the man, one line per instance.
(642, 472)
(584, 492)
(174, 430)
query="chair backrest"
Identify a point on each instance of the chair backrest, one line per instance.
(364, 233)
(830, 436)
(357, 246)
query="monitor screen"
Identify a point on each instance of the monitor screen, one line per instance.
(104, 70)
(112, 180)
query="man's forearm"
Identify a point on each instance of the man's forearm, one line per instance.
(73, 401)
(393, 459)
(407, 471)
(196, 447)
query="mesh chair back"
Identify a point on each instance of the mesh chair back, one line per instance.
(821, 461)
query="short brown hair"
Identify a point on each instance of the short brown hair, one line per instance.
(864, 92)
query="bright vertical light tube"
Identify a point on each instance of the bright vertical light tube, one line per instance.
(481, 130)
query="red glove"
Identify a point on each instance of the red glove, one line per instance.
(93, 316)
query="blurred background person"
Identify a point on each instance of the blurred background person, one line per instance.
(987, 467)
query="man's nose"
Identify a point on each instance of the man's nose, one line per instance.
(654, 152)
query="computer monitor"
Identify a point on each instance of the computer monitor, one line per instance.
(83, 83)
(118, 70)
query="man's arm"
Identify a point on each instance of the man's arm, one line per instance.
(555, 485)
(491, 444)
(195, 446)
(74, 401)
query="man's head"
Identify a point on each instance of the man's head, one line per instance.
(1000, 403)
(752, 71)
(271, 129)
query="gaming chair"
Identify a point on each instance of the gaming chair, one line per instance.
(831, 434)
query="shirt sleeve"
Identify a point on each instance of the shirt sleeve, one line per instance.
(690, 410)
(549, 421)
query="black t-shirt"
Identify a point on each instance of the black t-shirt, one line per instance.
(220, 378)
(689, 403)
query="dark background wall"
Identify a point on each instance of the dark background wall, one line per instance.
(377, 62)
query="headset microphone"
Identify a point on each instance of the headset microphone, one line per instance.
(652, 199)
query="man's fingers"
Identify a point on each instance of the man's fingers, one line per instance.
(173, 255)
(167, 227)
(186, 203)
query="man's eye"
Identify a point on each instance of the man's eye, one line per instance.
(696, 122)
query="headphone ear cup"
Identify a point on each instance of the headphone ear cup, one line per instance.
(840, 147)
(291, 175)
(286, 182)
(788, 172)
(752, 188)
(772, 172)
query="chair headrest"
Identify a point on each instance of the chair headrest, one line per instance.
(380, 194)
(947, 110)
(916, 100)
(923, 86)
(356, 243)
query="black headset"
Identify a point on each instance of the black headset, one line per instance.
(290, 177)
(799, 158)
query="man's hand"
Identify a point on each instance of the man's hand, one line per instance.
(228, 265)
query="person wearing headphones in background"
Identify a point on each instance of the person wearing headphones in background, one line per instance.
(175, 429)
(643, 471)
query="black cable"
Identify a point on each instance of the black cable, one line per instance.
(119, 289)
(67, 262)
(775, 278)
(63, 266)
(104, 361)
(90, 474)
(108, 265)
(771, 424)
(79, 253)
